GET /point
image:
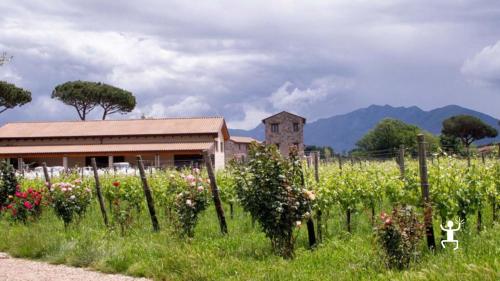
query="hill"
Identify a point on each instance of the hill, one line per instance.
(342, 131)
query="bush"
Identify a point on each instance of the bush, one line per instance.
(8, 183)
(271, 189)
(24, 206)
(124, 196)
(70, 199)
(191, 201)
(399, 237)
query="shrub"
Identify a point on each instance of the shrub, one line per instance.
(8, 183)
(191, 201)
(399, 236)
(70, 199)
(271, 189)
(124, 196)
(24, 205)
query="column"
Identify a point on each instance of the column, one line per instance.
(157, 161)
(20, 165)
(110, 161)
(65, 163)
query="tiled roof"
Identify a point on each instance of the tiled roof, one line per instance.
(98, 148)
(170, 126)
(238, 139)
(284, 112)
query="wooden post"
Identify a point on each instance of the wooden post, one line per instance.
(340, 162)
(98, 191)
(318, 212)
(429, 229)
(148, 195)
(482, 158)
(46, 175)
(352, 160)
(401, 161)
(215, 193)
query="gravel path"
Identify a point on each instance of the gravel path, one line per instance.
(12, 269)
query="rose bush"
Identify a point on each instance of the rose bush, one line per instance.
(70, 199)
(24, 206)
(124, 195)
(191, 200)
(399, 236)
(271, 189)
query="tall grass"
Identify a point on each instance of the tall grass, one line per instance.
(245, 254)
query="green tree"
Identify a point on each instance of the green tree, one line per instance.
(12, 96)
(85, 96)
(115, 100)
(325, 151)
(388, 135)
(467, 129)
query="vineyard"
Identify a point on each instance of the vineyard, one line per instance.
(271, 207)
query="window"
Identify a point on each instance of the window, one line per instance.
(275, 127)
(295, 127)
(216, 146)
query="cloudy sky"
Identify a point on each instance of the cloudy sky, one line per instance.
(247, 59)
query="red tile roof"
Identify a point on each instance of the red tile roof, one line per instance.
(170, 126)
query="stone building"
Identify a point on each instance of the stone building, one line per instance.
(160, 142)
(284, 130)
(237, 147)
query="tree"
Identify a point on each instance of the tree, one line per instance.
(325, 151)
(467, 129)
(12, 96)
(84, 96)
(388, 135)
(113, 100)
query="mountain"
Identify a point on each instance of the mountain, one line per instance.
(343, 131)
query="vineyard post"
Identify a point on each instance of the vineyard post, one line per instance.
(318, 212)
(98, 191)
(401, 161)
(46, 175)
(482, 158)
(429, 229)
(215, 193)
(352, 160)
(148, 195)
(340, 162)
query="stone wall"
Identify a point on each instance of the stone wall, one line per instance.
(286, 136)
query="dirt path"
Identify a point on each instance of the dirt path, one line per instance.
(12, 269)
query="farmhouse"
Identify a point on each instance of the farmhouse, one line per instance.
(285, 129)
(237, 147)
(160, 142)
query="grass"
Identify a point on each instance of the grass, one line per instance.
(245, 254)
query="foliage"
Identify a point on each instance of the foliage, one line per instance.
(24, 205)
(115, 100)
(124, 195)
(399, 236)
(12, 96)
(325, 151)
(8, 182)
(69, 200)
(467, 128)
(388, 135)
(271, 189)
(84, 96)
(192, 200)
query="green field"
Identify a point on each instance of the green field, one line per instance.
(245, 254)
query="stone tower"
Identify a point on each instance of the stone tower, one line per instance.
(284, 130)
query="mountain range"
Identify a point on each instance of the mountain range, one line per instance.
(343, 131)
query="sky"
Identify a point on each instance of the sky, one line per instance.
(246, 60)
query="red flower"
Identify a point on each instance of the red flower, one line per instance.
(18, 194)
(30, 190)
(9, 206)
(28, 205)
(116, 183)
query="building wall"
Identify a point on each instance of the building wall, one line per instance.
(236, 151)
(108, 140)
(219, 154)
(286, 136)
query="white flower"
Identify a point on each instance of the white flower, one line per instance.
(189, 203)
(298, 223)
(72, 197)
(310, 195)
(196, 171)
(200, 188)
